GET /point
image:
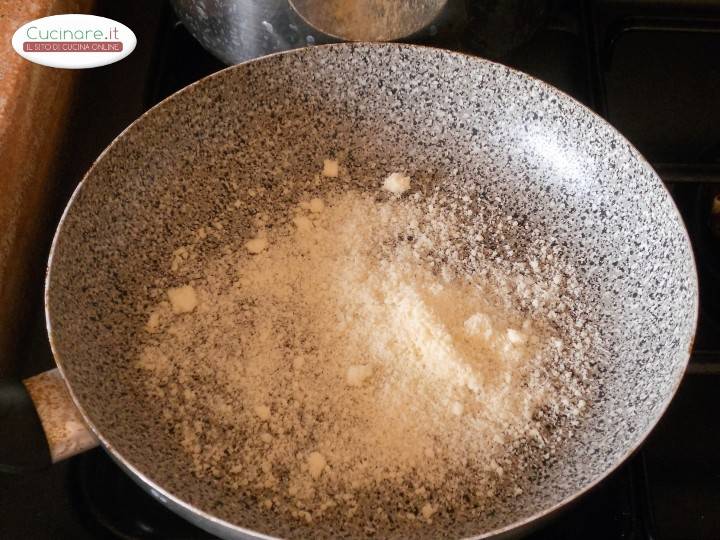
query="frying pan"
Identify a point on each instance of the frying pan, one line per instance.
(441, 116)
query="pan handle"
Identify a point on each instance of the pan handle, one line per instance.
(41, 424)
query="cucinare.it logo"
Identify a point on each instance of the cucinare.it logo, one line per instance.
(74, 41)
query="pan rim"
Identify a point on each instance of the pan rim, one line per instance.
(219, 525)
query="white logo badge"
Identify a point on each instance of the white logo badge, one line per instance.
(74, 41)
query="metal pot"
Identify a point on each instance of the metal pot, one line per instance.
(244, 29)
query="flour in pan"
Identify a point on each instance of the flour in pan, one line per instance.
(362, 357)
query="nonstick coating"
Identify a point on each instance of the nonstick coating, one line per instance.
(380, 108)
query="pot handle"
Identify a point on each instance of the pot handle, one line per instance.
(41, 423)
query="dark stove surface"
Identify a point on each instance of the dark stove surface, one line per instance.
(652, 68)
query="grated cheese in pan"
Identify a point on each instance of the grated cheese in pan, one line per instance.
(355, 353)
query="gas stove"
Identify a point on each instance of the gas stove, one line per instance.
(651, 68)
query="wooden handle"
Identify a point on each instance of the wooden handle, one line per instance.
(66, 431)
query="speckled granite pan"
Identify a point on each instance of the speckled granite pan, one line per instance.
(440, 116)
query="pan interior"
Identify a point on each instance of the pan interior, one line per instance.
(443, 118)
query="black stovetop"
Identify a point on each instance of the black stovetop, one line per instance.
(651, 68)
